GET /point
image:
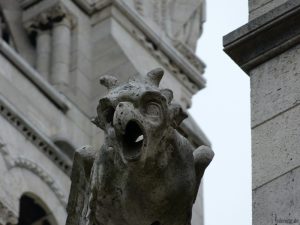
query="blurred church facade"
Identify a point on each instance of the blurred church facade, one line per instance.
(52, 55)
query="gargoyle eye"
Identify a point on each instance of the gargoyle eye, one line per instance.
(153, 109)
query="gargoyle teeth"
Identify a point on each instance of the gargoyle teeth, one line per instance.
(139, 138)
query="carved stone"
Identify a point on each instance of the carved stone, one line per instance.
(180, 20)
(146, 172)
(36, 169)
(33, 134)
(46, 18)
(7, 216)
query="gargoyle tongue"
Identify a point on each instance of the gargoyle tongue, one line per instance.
(132, 141)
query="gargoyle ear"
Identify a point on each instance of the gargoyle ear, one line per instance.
(155, 76)
(177, 115)
(109, 81)
(168, 94)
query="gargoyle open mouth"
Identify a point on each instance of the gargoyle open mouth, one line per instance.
(133, 140)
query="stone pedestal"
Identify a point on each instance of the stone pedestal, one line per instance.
(268, 50)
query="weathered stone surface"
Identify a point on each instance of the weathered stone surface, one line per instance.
(275, 147)
(275, 86)
(145, 173)
(259, 7)
(264, 37)
(267, 48)
(278, 202)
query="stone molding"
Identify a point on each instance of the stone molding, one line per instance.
(90, 7)
(27, 3)
(165, 60)
(48, 15)
(265, 37)
(165, 52)
(185, 65)
(51, 93)
(33, 167)
(138, 5)
(35, 136)
(7, 216)
(190, 55)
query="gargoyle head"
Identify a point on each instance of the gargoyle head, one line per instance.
(138, 113)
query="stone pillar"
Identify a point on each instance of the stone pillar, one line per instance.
(267, 48)
(61, 42)
(43, 45)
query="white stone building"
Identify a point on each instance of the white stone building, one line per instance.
(52, 55)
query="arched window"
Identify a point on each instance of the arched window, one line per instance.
(32, 212)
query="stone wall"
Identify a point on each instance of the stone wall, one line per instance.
(269, 53)
(260, 7)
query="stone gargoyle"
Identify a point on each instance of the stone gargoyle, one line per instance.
(146, 172)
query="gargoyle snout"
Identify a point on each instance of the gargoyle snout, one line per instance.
(125, 112)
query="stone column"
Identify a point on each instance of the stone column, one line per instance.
(43, 45)
(267, 48)
(53, 25)
(61, 42)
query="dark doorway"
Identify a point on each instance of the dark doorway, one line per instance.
(32, 213)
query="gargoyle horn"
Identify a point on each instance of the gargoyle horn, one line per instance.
(155, 76)
(109, 81)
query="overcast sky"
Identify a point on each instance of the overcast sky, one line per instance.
(222, 110)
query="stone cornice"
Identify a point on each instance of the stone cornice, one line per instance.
(165, 60)
(185, 65)
(190, 55)
(265, 37)
(179, 64)
(34, 135)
